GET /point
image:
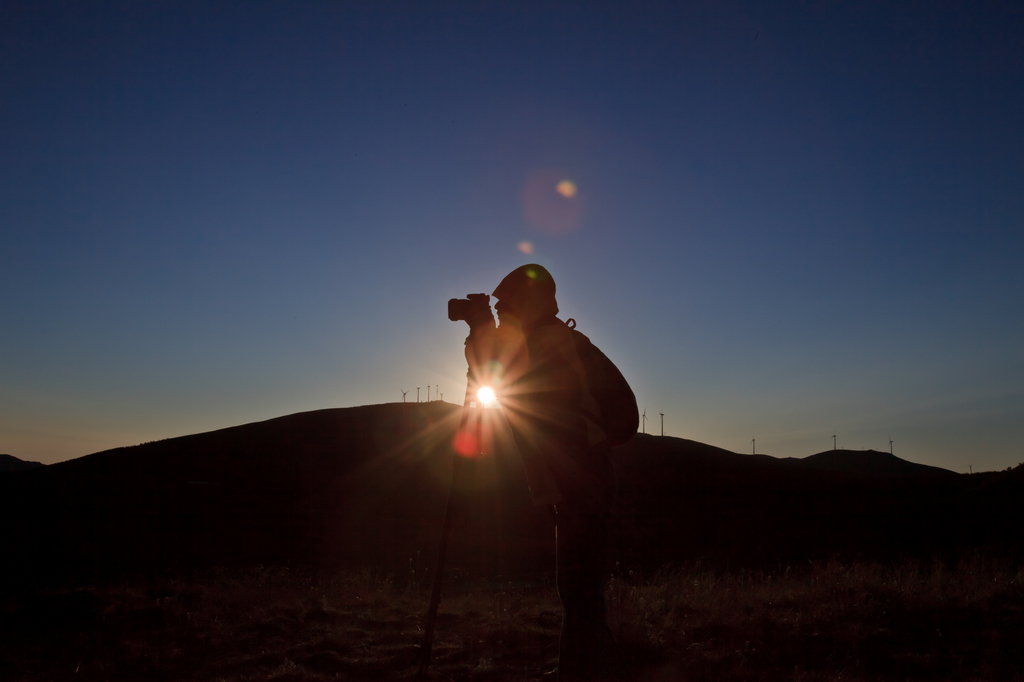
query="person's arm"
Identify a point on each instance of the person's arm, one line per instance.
(496, 356)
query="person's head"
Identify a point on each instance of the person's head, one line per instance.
(526, 294)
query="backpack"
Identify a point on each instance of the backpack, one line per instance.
(619, 417)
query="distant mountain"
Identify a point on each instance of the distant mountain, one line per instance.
(9, 463)
(867, 462)
(366, 486)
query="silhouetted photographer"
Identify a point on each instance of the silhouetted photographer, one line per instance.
(566, 403)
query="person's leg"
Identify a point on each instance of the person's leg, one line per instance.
(585, 641)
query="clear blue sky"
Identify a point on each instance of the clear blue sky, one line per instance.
(791, 219)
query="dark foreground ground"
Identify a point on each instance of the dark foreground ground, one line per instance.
(861, 621)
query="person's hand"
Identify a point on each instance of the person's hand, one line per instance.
(480, 315)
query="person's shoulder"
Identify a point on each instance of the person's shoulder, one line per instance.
(554, 335)
(553, 328)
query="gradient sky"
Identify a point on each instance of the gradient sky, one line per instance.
(791, 220)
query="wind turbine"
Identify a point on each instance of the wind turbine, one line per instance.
(890, 446)
(833, 441)
(428, 393)
(417, 394)
(644, 423)
(753, 446)
(662, 423)
(403, 394)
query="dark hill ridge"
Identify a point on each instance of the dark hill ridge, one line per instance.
(11, 463)
(367, 485)
(363, 485)
(869, 462)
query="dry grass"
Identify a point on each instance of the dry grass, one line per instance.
(822, 622)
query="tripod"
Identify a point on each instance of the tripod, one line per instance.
(464, 437)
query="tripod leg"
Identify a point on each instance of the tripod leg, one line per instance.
(435, 596)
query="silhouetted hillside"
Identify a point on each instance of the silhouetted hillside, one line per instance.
(868, 462)
(683, 500)
(362, 485)
(10, 463)
(367, 486)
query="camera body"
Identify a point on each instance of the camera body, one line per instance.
(473, 309)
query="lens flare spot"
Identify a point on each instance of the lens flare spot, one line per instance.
(525, 247)
(485, 395)
(466, 444)
(567, 188)
(495, 368)
(551, 202)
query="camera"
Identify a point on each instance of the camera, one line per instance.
(473, 309)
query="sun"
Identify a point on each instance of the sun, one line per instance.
(485, 395)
